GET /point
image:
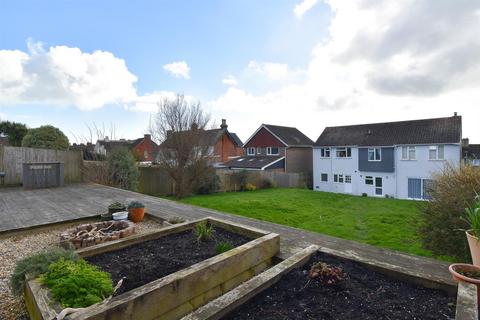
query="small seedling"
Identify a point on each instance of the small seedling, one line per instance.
(326, 274)
(223, 247)
(204, 231)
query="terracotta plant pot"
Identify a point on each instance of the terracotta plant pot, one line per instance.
(474, 244)
(136, 214)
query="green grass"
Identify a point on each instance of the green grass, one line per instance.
(387, 223)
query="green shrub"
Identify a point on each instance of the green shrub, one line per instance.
(135, 205)
(204, 231)
(223, 247)
(122, 169)
(77, 284)
(37, 264)
(250, 187)
(453, 190)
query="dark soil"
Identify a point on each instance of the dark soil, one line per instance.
(365, 294)
(154, 259)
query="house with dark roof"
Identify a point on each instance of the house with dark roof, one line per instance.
(280, 148)
(395, 159)
(144, 148)
(222, 144)
(470, 153)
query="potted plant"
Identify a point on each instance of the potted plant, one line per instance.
(136, 211)
(472, 217)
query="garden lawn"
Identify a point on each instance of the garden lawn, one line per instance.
(387, 223)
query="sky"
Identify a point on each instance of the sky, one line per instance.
(302, 63)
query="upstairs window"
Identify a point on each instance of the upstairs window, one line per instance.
(436, 153)
(408, 153)
(325, 152)
(251, 151)
(344, 152)
(272, 151)
(374, 154)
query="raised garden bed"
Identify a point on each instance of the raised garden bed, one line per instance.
(169, 273)
(285, 292)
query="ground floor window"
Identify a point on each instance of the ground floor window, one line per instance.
(419, 188)
(324, 177)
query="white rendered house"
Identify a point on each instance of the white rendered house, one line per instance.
(395, 159)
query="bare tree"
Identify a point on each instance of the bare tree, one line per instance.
(184, 151)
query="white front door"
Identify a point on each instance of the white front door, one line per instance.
(348, 184)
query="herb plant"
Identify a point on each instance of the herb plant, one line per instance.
(77, 284)
(204, 231)
(223, 247)
(37, 264)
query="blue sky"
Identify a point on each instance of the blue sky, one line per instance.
(325, 63)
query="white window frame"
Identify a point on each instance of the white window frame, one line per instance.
(250, 151)
(324, 152)
(347, 151)
(269, 151)
(437, 153)
(374, 151)
(321, 177)
(406, 153)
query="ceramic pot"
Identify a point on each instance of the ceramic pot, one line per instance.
(474, 244)
(136, 214)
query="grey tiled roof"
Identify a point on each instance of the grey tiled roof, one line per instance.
(290, 135)
(426, 131)
(252, 162)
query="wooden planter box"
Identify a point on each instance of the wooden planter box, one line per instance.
(177, 294)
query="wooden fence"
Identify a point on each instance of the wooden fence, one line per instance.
(12, 159)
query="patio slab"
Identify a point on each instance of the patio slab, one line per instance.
(27, 208)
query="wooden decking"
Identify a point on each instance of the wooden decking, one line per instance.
(27, 208)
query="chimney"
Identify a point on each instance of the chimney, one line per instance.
(465, 142)
(147, 137)
(224, 124)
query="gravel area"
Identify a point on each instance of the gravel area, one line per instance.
(18, 247)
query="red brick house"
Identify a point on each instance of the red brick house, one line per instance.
(144, 148)
(222, 144)
(279, 148)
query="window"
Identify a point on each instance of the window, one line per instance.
(272, 151)
(374, 154)
(369, 180)
(348, 179)
(408, 153)
(419, 188)
(436, 153)
(251, 151)
(344, 152)
(324, 177)
(325, 152)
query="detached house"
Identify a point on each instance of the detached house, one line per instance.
(284, 149)
(394, 159)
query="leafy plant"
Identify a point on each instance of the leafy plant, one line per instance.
(116, 205)
(326, 274)
(204, 231)
(37, 264)
(77, 284)
(223, 247)
(135, 205)
(453, 190)
(250, 187)
(472, 216)
(176, 220)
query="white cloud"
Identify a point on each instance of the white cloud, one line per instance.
(179, 69)
(64, 76)
(272, 70)
(382, 61)
(302, 8)
(230, 81)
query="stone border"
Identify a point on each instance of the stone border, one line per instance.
(221, 306)
(176, 294)
(467, 302)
